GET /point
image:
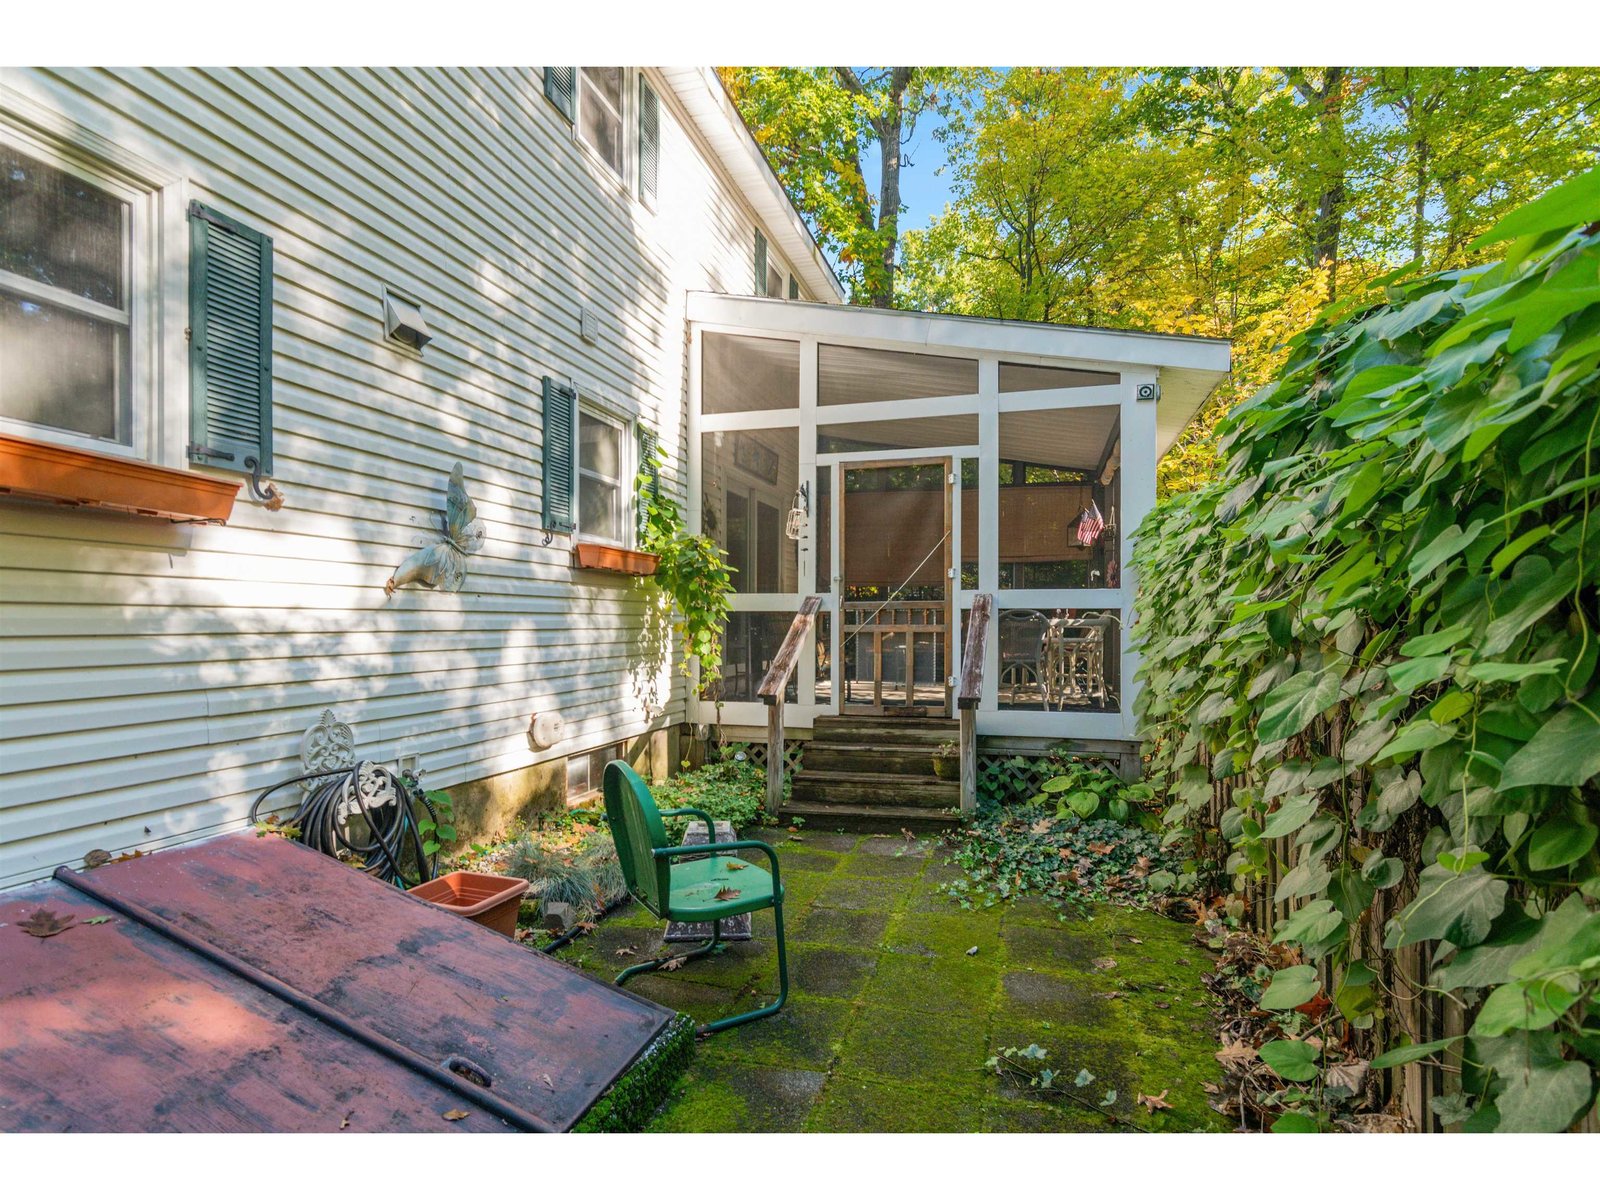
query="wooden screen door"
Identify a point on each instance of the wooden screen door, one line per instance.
(894, 540)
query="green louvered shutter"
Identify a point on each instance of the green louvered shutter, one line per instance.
(649, 142)
(561, 86)
(761, 263)
(230, 343)
(794, 288)
(560, 448)
(649, 468)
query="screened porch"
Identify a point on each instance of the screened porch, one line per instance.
(899, 465)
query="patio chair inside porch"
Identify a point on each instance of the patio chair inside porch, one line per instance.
(711, 886)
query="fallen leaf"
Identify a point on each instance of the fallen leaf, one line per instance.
(1351, 1074)
(345, 1124)
(1043, 826)
(672, 964)
(1109, 1098)
(1111, 995)
(96, 858)
(907, 834)
(44, 923)
(733, 864)
(1152, 1103)
(585, 927)
(1236, 1054)
(728, 893)
(551, 1084)
(625, 952)
(97, 920)
(1135, 941)
(1100, 847)
(1105, 964)
(456, 1114)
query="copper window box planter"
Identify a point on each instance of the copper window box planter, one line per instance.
(593, 556)
(82, 478)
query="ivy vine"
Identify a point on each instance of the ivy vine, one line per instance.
(692, 573)
(1379, 627)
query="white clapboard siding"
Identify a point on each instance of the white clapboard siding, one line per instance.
(155, 677)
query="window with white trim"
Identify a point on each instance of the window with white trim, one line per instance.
(602, 104)
(70, 297)
(605, 477)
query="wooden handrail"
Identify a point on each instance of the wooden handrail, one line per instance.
(974, 651)
(969, 693)
(771, 691)
(783, 663)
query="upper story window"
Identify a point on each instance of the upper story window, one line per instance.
(602, 98)
(67, 302)
(604, 478)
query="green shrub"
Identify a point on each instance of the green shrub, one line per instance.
(1077, 788)
(1380, 628)
(732, 789)
(588, 877)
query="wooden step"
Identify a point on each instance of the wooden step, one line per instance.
(873, 758)
(875, 788)
(870, 818)
(899, 731)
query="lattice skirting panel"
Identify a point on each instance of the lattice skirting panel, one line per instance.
(756, 752)
(1009, 778)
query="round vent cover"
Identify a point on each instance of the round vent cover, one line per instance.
(544, 730)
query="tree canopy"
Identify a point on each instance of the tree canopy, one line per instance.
(1228, 201)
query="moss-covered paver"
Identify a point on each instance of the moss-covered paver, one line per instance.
(890, 1018)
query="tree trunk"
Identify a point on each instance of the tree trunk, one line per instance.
(1419, 218)
(889, 202)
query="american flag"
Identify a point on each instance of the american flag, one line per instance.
(1090, 524)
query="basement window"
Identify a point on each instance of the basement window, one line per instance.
(586, 773)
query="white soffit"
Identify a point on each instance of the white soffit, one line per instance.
(1189, 367)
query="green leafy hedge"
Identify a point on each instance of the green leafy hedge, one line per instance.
(1380, 628)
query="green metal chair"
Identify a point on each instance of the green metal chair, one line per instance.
(689, 891)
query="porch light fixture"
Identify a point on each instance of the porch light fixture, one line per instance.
(403, 320)
(799, 514)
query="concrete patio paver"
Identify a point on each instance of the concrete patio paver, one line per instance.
(890, 1019)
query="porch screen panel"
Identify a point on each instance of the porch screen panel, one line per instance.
(1059, 659)
(923, 433)
(1024, 377)
(748, 483)
(860, 375)
(750, 641)
(895, 595)
(1059, 499)
(748, 374)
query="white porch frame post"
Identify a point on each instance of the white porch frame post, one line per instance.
(989, 518)
(1138, 498)
(805, 585)
(696, 497)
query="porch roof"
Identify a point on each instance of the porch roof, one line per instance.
(1189, 367)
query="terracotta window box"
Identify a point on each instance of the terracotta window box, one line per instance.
(83, 479)
(593, 556)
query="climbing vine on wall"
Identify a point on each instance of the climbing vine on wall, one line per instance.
(1380, 627)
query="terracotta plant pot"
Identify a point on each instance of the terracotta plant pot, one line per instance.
(947, 766)
(592, 556)
(490, 900)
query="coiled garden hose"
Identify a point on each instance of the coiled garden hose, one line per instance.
(390, 828)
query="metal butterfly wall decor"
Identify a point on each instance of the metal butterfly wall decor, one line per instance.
(443, 564)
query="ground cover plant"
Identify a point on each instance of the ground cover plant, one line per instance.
(731, 789)
(1378, 632)
(1084, 836)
